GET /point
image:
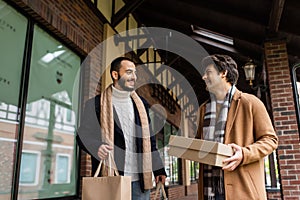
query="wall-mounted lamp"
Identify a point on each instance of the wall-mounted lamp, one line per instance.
(249, 69)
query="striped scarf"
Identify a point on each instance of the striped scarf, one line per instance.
(214, 130)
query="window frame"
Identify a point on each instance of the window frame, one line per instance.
(295, 91)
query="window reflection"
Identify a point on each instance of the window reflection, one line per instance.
(13, 31)
(50, 120)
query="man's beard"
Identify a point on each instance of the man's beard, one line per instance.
(122, 84)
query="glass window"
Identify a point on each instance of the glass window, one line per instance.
(173, 170)
(62, 169)
(172, 163)
(194, 171)
(69, 116)
(29, 168)
(13, 31)
(52, 95)
(163, 130)
(271, 171)
(163, 135)
(296, 79)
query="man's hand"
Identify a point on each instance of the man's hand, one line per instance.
(233, 162)
(103, 151)
(161, 178)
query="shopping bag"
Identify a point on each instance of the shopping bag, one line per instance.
(106, 188)
(160, 186)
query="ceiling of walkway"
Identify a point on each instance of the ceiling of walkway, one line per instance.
(248, 23)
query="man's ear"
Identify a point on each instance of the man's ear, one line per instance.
(224, 73)
(115, 75)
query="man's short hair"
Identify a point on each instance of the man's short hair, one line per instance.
(222, 63)
(116, 64)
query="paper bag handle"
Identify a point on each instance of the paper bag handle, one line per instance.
(159, 185)
(111, 165)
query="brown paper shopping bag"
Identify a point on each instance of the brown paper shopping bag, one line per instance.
(107, 188)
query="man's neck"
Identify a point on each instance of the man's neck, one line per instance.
(221, 93)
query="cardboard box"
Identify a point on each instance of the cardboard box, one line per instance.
(203, 151)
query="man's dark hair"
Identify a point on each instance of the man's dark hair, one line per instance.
(116, 64)
(222, 63)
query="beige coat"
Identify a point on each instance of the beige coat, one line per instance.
(249, 126)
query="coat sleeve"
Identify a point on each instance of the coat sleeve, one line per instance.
(157, 164)
(265, 138)
(89, 135)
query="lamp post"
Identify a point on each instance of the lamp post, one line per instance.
(249, 69)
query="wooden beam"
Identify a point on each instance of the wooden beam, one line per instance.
(144, 47)
(275, 15)
(125, 11)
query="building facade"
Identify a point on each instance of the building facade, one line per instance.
(53, 54)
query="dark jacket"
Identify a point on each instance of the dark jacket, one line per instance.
(89, 139)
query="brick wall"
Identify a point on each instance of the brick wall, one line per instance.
(176, 192)
(284, 115)
(273, 195)
(192, 189)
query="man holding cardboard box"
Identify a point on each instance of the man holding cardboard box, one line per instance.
(241, 121)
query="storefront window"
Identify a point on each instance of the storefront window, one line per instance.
(12, 42)
(50, 120)
(47, 154)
